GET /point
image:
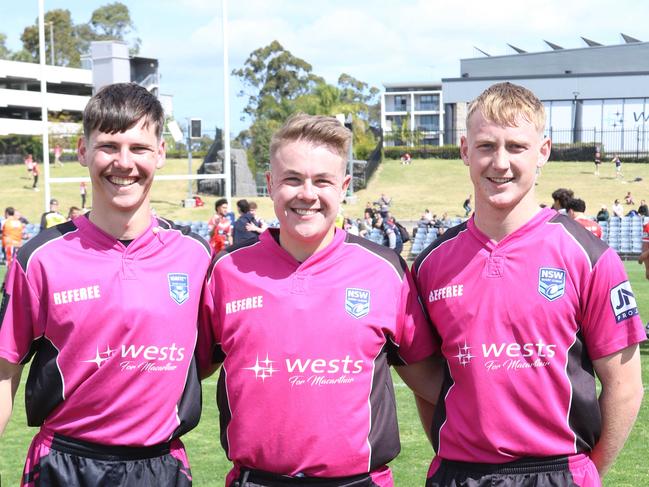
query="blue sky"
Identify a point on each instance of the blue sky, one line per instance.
(375, 41)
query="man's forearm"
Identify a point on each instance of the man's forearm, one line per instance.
(619, 403)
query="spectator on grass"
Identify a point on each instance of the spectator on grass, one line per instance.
(603, 214)
(598, 160)
(29, 162)
(628, 199)
(618, 209)
(35, 174)
(560, 199)
(383, 204)
(83, 192)
(643, 210)
(618, 166)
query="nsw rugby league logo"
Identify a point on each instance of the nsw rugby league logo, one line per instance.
(552, 283)
(357, 302)
(178, 287)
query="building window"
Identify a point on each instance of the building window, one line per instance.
(400, 103)
(428, 123)
(429, 102)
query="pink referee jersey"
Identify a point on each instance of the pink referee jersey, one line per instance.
(112, 330)
(305, 386)
(520, 323)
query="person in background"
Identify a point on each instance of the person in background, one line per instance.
(577, 211)
(618, 166)
(603, 214)
(35, 174)
(219, 226)
(241, 233)
(642, 209)
(29, 162)
(467, 206)
(52, 217)
(74, 212)
(618, 209)
(12, 234)
(598, 160)
(57, 155)
(560, 198)
(83, 192)
(259, 224)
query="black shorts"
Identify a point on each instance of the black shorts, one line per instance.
(258, 478)
(562, 471)
(60, 461)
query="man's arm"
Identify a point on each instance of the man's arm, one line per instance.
(619, 402)
(9, 380)
(644, 257)
(425, 379)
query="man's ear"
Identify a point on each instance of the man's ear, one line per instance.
(82, 151)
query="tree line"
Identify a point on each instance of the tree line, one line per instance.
(109, 22)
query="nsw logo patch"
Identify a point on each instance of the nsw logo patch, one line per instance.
(178, 287)
(623, 302)
(552, 283)
(357, 302)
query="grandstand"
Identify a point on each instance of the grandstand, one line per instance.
(622, 234)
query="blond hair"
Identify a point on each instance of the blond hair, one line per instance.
(316, 129)
(506, 103)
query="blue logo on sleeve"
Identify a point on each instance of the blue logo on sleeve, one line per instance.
(552, 283)
(623, 302)
(357, 302)
(178, 287)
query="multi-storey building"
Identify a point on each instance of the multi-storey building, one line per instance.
(412, 108)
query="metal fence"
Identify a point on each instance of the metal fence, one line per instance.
(630, 144)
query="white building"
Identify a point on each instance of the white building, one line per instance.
(68, 89)
(418, 106)
(595, 94)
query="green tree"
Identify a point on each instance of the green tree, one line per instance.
(113, 22)
(110, 22)
(359, 92)
(4, 52)
(274, 76)
(66, 42)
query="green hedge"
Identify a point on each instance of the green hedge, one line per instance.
(423, 152)
(584, 151)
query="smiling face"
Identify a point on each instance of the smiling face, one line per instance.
(307, 183)
(121, 167)
(503, 161)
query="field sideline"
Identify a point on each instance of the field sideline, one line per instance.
(438, 185)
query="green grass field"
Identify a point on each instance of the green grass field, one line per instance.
(438, 185)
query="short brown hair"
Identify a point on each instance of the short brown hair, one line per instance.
(505, 103)
(119, 107)
(317, 129)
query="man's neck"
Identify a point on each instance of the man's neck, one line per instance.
(122, 225)
(301, 251)
(497, 224)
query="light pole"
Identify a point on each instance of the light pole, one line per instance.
(51, 24)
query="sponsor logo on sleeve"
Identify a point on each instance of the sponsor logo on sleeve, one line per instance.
(552, 283)
(357, 302)
(623, 302)
(178, 287)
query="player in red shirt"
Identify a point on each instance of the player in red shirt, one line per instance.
(220, 226)
(576, 208)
